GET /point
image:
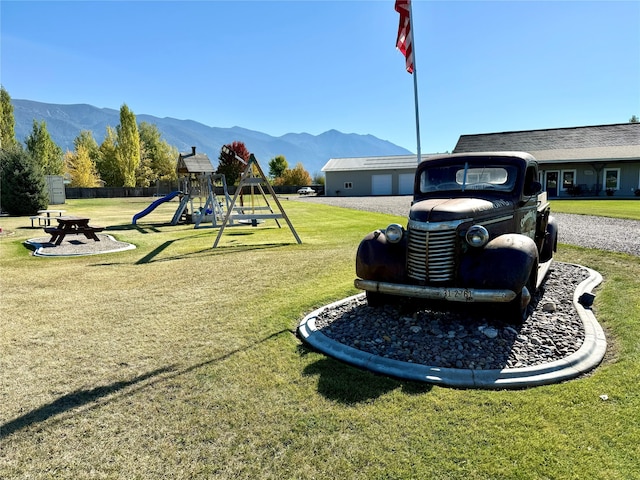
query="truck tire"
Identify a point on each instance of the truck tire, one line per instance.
(377, 299)
(550, 244)
(517, 309)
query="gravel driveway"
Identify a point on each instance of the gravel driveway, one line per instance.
(612, 234)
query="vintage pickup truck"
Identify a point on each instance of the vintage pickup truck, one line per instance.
(478, 230)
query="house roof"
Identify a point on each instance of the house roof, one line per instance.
(193, 162)
(395, 162)
(599, 142)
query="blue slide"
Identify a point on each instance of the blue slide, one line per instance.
(153, 206)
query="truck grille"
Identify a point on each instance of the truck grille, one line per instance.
(431, 253)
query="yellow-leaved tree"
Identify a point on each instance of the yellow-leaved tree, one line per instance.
(81, 168)
(128, 146)
(296, 176)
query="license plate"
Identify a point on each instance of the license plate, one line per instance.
(457, 295)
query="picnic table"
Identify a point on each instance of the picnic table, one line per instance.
(71, 225)
(44, 217)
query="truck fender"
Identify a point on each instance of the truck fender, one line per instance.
(378, 259)
(506, 262)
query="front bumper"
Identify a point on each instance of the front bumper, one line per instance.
(450, 294)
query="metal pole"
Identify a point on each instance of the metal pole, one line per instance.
(415, 80)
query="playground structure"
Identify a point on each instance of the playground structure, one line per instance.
(200, 205)
(154, 205)
(198, 182)
(197, 192)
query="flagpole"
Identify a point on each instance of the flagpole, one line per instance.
(415, 81)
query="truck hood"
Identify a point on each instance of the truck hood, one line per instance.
(447, 209)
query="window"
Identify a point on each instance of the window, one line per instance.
(496, 176)
(611, 178)
(465, 177)
(348, 185)
(568, 179)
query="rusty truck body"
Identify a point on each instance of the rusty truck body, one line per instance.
(478, 230)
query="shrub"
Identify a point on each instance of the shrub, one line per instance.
(23, 188)
(574, 190)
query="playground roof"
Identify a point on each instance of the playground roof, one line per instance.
(193, 162)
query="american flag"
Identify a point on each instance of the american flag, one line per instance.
(404, 43)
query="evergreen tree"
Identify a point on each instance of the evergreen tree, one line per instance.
(23, 189)
(229, 165)
(277, 166)
(81, 168)
(44, 150)
(128, 146)
(7, 122)
(107, 164)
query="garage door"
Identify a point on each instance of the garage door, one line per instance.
(381, 185)
(405, 184)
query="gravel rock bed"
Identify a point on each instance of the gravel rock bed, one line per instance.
(457, 339)
(77, 245)
(603, 233)
(466, 338)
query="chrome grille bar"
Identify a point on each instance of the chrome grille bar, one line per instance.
(431, 252)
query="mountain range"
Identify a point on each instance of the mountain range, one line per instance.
(65, 122)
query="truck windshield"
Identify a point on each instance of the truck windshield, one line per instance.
(465, 177)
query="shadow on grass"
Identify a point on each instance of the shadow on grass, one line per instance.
(84, 397)
(349, 385)
(72, 400)
(151, 256)
(217, 251)
(245, 248)
(150, 228)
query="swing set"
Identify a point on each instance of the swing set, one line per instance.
(254, 178)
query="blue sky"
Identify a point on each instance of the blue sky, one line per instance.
(312, 66)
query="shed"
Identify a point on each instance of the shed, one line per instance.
(361, 176)
(55, 189)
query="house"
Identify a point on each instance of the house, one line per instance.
(578, 161)
(362, 176)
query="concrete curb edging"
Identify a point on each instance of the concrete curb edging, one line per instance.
(588, 356)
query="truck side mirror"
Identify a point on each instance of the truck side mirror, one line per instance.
(533, 188)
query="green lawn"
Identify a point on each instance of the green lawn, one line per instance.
(629, 209)
(179, 361)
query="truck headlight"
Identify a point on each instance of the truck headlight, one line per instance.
(477, 236)
(394, 233)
